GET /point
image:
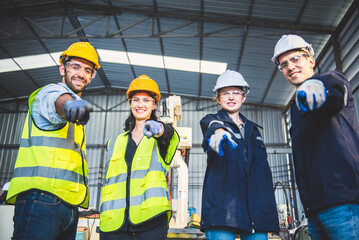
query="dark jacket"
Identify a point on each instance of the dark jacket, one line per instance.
(238, 188)
(326, 148)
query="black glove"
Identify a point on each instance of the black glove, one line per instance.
(77, 111)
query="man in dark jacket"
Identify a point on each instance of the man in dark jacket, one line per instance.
(325, 137)
(238, 195)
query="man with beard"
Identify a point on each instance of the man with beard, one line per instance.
(50, 181)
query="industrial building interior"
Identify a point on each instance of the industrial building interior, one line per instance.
(184, 46)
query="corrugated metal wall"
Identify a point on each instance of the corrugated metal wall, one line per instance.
(11, 123)
(346, 40)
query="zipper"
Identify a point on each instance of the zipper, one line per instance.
(246, 175)
(252, 229)
(128, 179)
(82, 156)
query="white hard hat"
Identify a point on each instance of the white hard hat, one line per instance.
(231, 78)
(291, 42)
(6, 186)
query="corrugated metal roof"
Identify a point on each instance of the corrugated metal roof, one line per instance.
(240, 33)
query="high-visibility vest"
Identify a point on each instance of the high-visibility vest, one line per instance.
(51, 161)
(148, 193)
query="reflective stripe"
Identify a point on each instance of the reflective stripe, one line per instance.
(259, 138)
(149, 193)
(215, 121)
(116, 179)
(47, 142)
(70, 130)
(113, 204)
(40, 141)
(155, 162)
(138, 174)
(43, 141)
(238, 135)
(111, 180)
(48, 172)
(110, 149)
(156, 192)
(135, 200)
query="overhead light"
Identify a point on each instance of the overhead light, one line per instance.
(158, 61)
(121, 57)
(112, 56)
(27, 62)
(8, 65)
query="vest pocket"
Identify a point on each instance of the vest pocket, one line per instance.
(104, 216)
(143, 161)
(67, 172)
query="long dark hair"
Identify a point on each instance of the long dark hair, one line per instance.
(131, 120)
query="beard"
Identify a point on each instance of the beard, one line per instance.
(69, 83)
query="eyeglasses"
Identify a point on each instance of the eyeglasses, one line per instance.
(294, 59)
(76, 68)
(235, 93)
(137, 101)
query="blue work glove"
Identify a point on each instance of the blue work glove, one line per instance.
(77, 111)
(220, 137)
(311, 95)
(152, 128)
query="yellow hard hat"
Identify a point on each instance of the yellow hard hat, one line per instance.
(144, 83)
(81, 50)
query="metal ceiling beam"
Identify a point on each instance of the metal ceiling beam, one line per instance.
(122, 40)
(24, 71)
(130, 26)
(56, 9)
(82, 35)
(41, 43)
(17, 37)
(245, 34)
(271, 80)
(337, 52)
(7, 91)
(200, 32)
(162, 48)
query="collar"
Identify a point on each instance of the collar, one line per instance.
(223, 115)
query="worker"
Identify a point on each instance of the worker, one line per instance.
(50, 181)
(135, 202)
(325, 142)
(238, 196)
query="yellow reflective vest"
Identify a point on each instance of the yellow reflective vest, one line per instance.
(51, 161)
(148, 194)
